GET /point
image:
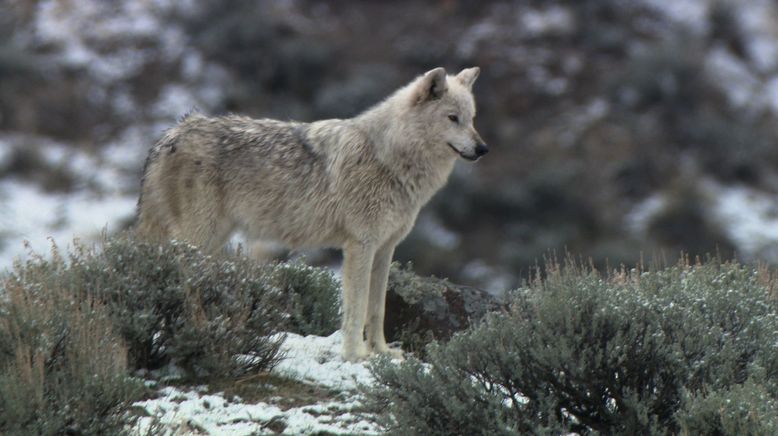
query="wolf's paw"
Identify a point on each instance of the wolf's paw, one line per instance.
(355, 353)
(394, 353)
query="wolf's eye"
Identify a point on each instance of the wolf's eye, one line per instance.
(453, 118)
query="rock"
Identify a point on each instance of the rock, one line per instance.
(422, 309)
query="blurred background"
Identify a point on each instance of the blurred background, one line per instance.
(618, 128)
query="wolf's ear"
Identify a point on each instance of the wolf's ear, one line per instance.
(468, 75)
(433, 85)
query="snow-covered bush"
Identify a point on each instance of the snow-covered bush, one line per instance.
(634, 353)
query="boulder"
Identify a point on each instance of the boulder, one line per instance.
(422, 309)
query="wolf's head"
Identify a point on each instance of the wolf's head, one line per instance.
(445, 106)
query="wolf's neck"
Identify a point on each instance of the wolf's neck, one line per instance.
(400, 147)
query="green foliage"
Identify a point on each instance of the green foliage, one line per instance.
(635, 353)
(746, 409)
(411, 287)
(312, 297)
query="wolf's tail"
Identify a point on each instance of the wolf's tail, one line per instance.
(150, 224)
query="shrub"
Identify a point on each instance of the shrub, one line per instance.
(173, 304)
(633, 353)
(63, 368)
(746, 409)
(73, 327)
(312, 297)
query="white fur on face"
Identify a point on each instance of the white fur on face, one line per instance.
(450, 119)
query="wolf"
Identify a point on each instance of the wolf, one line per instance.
(356, 184)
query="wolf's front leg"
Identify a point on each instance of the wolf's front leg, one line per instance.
(357, 263)
(376, 307)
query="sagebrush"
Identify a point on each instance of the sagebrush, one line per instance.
(74, 327)
(684, 349)
(63, 365)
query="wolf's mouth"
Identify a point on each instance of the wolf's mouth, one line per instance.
(464, 156)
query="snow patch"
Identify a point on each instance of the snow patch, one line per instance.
(747, 216)
(35, 216)
(185, 412)
(495, 280)
(750, 219)
(174, 101)
(691, 14)
(757, 21)
(770, 94)
(310, 359)
(551, 21)
(639, 218)
(435, 232)
(29, 213)
(732, 76)
(317, 360)
(77, 27)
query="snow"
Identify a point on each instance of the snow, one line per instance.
(29, 213)
(113, 41)
(640, 217)
(311, 359)
(495, 281)
(758, 21)
(553, 20)
(691, 14)
(182, 411)
(748, 216)
(733, 76)
(740, 83)
(750, 219)
(317, 360)
(744, 80)
(36, 216)
(771, 94)
(101, 40)
(431, 229)
(174, 101)
(75, 26)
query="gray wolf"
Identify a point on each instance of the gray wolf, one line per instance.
(356, 184)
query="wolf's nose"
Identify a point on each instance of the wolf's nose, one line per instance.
(481, 149)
